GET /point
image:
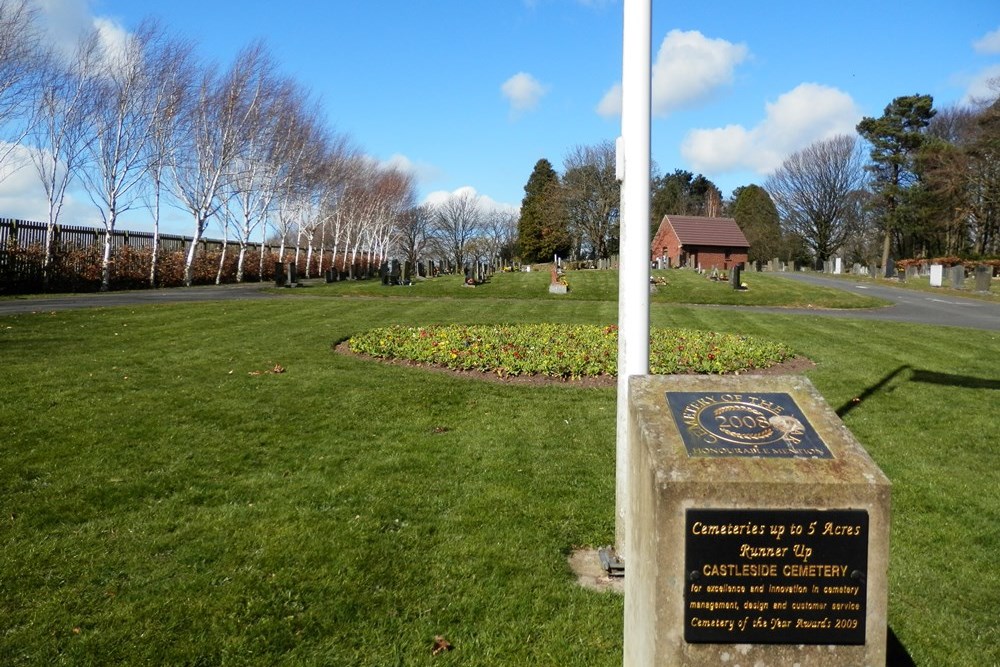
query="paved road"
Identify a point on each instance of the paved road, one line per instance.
(908, 305)
(134, 298)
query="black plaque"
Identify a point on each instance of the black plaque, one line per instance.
(762, 576)
(747, 424)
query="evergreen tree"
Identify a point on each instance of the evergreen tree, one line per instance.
(543, 230)
(682, 193)
(755, 213)
(896, 138)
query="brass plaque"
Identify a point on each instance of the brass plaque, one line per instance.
(745, 424)
(762, 576)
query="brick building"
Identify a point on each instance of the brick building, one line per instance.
(700, 242)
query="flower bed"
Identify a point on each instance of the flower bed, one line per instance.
(565, 351)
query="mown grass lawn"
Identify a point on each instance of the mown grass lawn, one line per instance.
(165, 500)
(681, 286)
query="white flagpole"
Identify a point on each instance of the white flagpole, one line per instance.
(633, 276)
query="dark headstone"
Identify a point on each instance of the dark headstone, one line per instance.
(734, 276)
(293, 273)
(279, 274)
(890, 268)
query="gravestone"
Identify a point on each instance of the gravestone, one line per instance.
(957, 276)
(984, 274)
(293, 273)
(873, 270)
(774, 264)
(734, 276)
(394, 272)
(856, 269)
(890, 268)
(758, 527)
(912, 272)
(838, 266)
(937, 275)
(279, 274)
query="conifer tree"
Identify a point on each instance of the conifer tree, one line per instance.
(543, 230)
(895, 137)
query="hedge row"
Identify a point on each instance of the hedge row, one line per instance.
(79, 269)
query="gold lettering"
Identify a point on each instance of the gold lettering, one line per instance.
(833, 529)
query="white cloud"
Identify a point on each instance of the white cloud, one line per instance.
(65, 22)
(486, 203)
(422, 172)
(688, 69)
(988, 43)
(808, 113)
(983, 87)
(611, 104)
(113, 37)
(22, 197)
(523, 91)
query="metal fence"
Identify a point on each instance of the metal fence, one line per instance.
(21, 252)
(24, 233)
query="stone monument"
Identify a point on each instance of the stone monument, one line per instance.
(758, 527)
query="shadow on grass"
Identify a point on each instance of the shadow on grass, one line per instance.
(954, 380)
(929, 377)
(896, 654)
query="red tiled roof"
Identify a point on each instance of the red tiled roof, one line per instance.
(693, 230)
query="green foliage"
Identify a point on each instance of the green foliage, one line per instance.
(895, 138)
(681, 193)
(755, 213)
(543, 230)
(564, 351)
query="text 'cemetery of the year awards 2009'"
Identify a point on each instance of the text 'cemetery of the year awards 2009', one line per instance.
(766, 576)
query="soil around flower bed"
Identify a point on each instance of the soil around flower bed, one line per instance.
(793, 366)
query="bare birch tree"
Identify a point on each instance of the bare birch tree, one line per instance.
(59, 132)
(21, 58)
(215, 124)
(127, 102)
(172, 78)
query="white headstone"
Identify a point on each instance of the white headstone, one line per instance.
(838, 266)
(937, 275)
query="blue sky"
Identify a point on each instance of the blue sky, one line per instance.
(471, 93)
